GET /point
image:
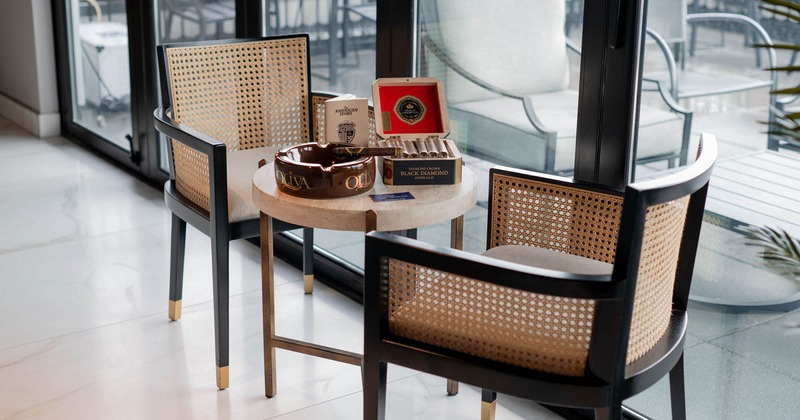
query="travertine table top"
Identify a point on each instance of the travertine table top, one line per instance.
(431, 204)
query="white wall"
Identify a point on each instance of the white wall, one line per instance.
(28, 94)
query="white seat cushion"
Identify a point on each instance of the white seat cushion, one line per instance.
(515, 45)
(549, 259)
(242, 165)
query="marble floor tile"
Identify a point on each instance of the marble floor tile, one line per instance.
(710, 321)
(782, 357)
(723, 385)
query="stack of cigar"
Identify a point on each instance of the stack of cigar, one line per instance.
(428, 147)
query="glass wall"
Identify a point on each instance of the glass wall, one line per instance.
(511, 78)
(99, 69)
(191, 20)
(740, 332)
(342, 61)
(342, 49)
(486, 75)
(708, 65)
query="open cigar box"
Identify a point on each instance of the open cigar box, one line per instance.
(412, 113)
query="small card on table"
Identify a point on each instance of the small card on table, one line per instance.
(391, 197)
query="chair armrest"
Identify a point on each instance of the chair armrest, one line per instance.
(573, 46)
(184, 134)
(215, 152)
(669, 58)
(380, 245)
(530, 112)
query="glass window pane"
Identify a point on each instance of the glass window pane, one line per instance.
(99, 69)
(511, 74)
(191, 20)
(342, 49)
(707, 64)
(194, 20)
(342, 61)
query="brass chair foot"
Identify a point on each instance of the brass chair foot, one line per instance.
(175, 309)
(308, 283)
(222, 377)
(488, 410)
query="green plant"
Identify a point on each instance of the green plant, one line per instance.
(781, 251)
(787, 123)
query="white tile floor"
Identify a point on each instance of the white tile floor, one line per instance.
(84, 332)
(83, 298)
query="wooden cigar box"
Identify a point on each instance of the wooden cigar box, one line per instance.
(409, 111)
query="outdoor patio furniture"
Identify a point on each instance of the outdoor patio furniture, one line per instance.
(201, 13)
(689, 72)
(506, 71)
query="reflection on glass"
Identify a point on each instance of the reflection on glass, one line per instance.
(100, 69)
(342, 49)
(342, 61)
(191, 20)
(509, 75)
(705, 63)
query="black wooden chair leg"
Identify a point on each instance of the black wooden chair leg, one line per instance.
(609, 413)
(677, 391)
(308, 260)
(488, 404)
(220, 262)
(374, 377)
(177, 253)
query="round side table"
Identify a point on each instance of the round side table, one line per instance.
(431, 204)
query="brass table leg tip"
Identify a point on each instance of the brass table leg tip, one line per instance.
(222, 377)
(175, 309)
(488, 410)
(452, 387)
(308, 283)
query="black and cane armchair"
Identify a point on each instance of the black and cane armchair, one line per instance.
(226, 106)
(580, 300)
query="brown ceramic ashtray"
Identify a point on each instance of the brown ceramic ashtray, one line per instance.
(313, 170)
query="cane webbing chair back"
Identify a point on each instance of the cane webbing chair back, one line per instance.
(562, 218)
(655, 280)
(528, 330)
(246, 94)
(531, 330)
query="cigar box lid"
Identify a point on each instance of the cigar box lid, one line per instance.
(410, 106)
